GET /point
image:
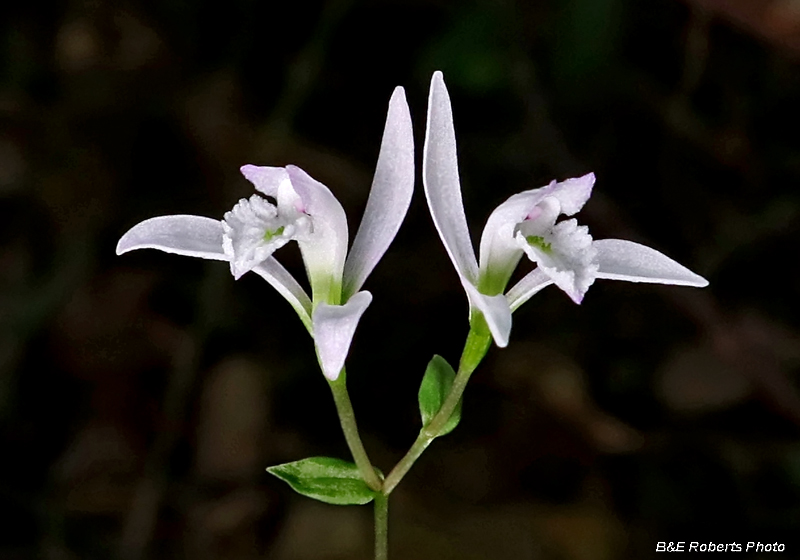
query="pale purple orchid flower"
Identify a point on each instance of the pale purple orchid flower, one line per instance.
(526, 224)
(305, 211)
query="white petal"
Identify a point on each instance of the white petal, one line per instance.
(334, 327)
(192, 236)
(325, 249)
(495, 310)
(279, 278)
(499, 251)
(265, 179)
(572, 193)
(442, 187)
(632, 262)
(526, 288)
(252, 231)
(565, 253)
(389, 197)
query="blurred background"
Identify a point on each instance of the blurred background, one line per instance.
(142, 396)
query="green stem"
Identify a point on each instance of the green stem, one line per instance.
(381, 526)
(475, 349)
(347, 418)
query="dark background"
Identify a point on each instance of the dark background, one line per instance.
(142, 396)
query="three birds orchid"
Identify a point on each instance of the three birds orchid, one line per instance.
(307, 212)
(526, 224)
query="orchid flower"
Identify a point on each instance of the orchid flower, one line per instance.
(305, 211)
(526, 224)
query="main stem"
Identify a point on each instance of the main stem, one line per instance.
(475, 349)
(381, 526)
(347, 418)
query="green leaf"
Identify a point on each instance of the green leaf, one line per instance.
(434, 390)
(326, 479)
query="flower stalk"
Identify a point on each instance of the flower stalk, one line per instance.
(475, 348)
(347, 419)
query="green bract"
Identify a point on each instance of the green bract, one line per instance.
(433, 391)
(326, 479)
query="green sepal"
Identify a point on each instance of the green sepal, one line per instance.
(433, 391)
(326, 479)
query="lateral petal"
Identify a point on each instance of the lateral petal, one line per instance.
(192, 236)
(334, 327)
(389, 196)
(632, 262)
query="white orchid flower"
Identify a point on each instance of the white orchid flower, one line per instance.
(526, 224)
(305, 211)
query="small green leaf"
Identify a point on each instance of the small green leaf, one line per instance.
(434, 390)
(326, 479)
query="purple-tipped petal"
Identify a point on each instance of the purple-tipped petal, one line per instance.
(279, 278)
(526, 288)
(495, 310)
(499, 251)
(265, 179)
(572, 193)
(192, 236)
(389, 197)
(334, 327)
(442, 187)
(632, 262)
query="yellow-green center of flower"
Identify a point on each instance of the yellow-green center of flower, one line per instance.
(270, 234)
(538, 241)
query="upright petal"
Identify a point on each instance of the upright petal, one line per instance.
(389, 197)
(499, 251)
(279, 278)
(526, 288)
(632, 262)
(334, 327)
(325, 249)
(442, 187)
(192, 236)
